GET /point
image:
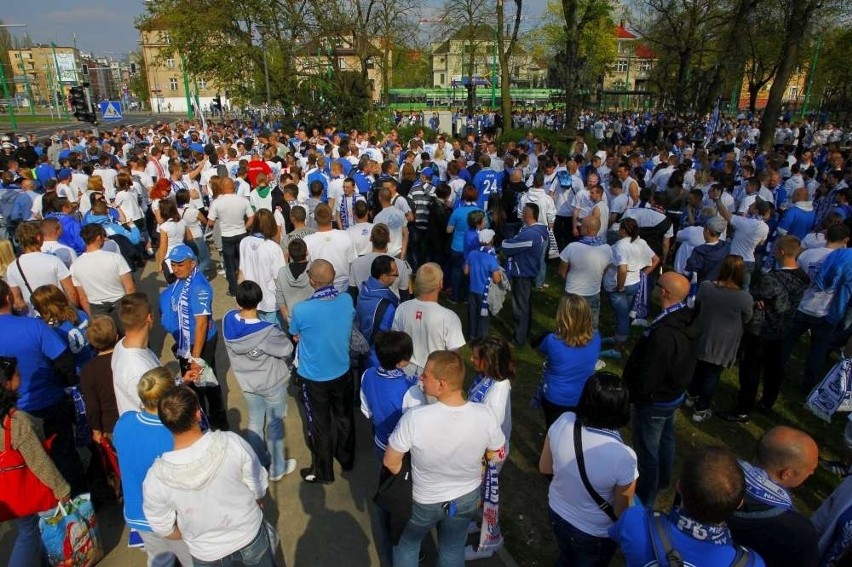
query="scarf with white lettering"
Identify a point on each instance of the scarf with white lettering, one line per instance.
(763, 489)
(185, 319)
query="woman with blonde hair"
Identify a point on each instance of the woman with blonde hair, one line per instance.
(7, 256)
(261, 258)
(140, 438)
(570, 357)
(68, 322)
(94, 185)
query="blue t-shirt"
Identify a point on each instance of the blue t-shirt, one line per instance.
(458, 220)
(35, 345)
(384, 393)
(486, 181)
(567, 368)
(139, 438)
(471, 242)
(482, 265)
(200, 303)
(632, 535)
(324, 327)
(75, 337)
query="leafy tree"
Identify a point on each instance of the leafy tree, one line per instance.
(831, 87)
(471, 21)
(762, 44)
(138, 83)
(504, 52)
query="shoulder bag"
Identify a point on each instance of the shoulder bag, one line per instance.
(21, 492)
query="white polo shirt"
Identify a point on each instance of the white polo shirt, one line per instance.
(231, 212)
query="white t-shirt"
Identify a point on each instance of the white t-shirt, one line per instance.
(431, 327)
(128, 202)
(336, 247)
(395, 221)
(107, 176)
(360, 235)
(39, 269)
(176, 232)
(189, 215)
(66, 191)
(808, 258)
(447, 444)
(635, 255)
(689, 237)
(603, 216)
(99, 274)
(260, 261)
(749, 233)
(210, 489)
(587, 265)
(64, 253)
(128, 365)
(231, 211)
(79, 182)
(609, 463)
(499, 401)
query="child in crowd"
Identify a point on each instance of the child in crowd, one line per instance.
(483, 270)
(96, 378)
(386, 391)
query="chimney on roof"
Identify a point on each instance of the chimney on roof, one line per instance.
(622, 22)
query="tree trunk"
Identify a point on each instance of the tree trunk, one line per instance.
(684, 59)
(796, 28)
(752, 97)
(504, 54)
(570, 66)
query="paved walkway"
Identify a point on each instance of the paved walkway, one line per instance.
(320, 526)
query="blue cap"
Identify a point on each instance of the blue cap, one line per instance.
(428, 172)
(180, 253)
(64, 173)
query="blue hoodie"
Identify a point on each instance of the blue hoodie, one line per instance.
(112, 226)
(371, 297)
(70, 231)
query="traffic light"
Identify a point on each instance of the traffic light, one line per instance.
(81, 104)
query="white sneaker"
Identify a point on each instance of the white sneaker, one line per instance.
(600, 365)
(702, 415)
(472, 554)
(289, 466)
(220, 271)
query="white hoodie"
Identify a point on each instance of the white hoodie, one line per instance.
(210, 490)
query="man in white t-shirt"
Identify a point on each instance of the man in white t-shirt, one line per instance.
(447, 441)
(430, 326)
(234, 215)
(395, 220)
(207, 491)
(100, 277)
(583, 264)
(131, 357)
(749, 233)
(361, 230)
(332, 245)
(361, 268)
(34, 268)
(51, 230)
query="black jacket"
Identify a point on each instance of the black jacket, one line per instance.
(781, 537)
(660, 367)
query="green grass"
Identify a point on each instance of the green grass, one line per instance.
(5, 122)
(523, 494)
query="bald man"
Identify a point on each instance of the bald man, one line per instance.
(321, 326)
(583, 264)
(767, 521)
(657, 374)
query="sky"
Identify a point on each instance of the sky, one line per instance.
(105, 27)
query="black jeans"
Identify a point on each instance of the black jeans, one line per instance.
(417, 254)
(552, 411)
(521, 308)
(760, 358)
(705, 379)
(563, 230)
(231, 257)
(331, 428)
(210, 397)
(59, 420)
(822, 334)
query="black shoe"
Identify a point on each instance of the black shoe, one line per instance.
(310, 477)
(735, 417)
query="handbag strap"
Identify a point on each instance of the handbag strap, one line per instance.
(603, 505)
(21, 270)
(7, 430)
(667, 556)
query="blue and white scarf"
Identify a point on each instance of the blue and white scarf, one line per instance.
(327, 292)
(185, 319)
(639, 310)
(345, 220)
(667, 311)
(717, 534)
(479, 389)
(763, 489)
(591, 241)
(483, 305)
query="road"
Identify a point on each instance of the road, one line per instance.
(48, 128)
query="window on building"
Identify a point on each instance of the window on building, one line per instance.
(165, 37)
(202, 84)
(794, 92)
(170, 63)
(645, 65)
(443, 79)
(173, 84)
(621, 66)
(622, 47)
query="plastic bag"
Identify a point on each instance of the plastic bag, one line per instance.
(70, 534)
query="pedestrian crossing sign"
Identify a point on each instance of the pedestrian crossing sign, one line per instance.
(110, 110)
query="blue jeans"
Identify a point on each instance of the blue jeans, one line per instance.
(577, 548)
(749, 270)
(594, 302)
(27, 551)
(622, 303)
(270, 317)
(258, 553)
(272, 409)
(452, 532)
(654, 443)
(203, 255)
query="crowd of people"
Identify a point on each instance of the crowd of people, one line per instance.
(341, 252)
